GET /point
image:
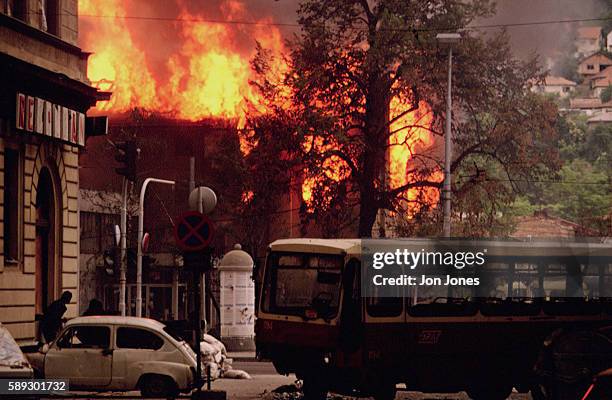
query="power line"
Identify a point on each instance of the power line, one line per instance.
(296, 25)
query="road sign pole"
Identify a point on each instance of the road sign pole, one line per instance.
(198, 324)
(193, 233)
(143, 191)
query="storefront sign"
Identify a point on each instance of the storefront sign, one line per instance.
(40, 116)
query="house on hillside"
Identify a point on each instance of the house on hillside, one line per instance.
(593, 64)
(544, 225)
(599, 82)
(603, 118)
(556, 85)
(589, 40)
(589, 106)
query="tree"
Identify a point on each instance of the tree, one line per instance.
(358, 69)
(606, 94)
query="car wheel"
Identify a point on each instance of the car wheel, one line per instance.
(158, 386)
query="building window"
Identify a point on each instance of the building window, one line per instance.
(566, 89)
(15, 8)
(590, 67)
(52, 14)
(12, 198)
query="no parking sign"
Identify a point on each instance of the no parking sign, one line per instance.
(193, 231)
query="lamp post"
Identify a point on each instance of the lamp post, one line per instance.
(448, 39)
(143, 191)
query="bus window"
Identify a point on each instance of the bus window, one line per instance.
(526, 281)
(295, 283)
(494, 281)
(606, 285)
(384, 306)
(555, 279)
(590, 281)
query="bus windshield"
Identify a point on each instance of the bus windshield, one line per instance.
(306, 285)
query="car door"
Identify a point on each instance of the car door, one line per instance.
(134, 346)
(81, 355)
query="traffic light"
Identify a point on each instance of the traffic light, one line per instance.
(127, 156)
(110, 260)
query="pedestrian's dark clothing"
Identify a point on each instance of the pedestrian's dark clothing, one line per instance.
(51, 322)
(95, 308)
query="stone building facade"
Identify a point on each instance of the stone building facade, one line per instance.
(45, 95)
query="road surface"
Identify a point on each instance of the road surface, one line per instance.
(265, 379)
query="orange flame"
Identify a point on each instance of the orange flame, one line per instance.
(410, 133)
(207, 76)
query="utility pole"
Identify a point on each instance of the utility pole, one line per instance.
(123, 245)
(448, 39)
(127, 155)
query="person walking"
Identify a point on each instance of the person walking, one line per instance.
(51, 321)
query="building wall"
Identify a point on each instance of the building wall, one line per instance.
(593, 65)
(32, 58)
(17, 281)
(46, 50)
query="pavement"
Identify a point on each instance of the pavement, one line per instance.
(265, 379)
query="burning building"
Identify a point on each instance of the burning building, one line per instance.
(190, 79)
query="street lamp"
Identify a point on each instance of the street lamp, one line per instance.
(143, 191)
(448, 39)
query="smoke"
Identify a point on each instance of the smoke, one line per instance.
(549, 40)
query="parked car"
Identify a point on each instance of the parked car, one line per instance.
(13, 364)
(105, 353)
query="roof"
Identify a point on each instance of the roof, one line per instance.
(325, 246)
(116, 320)
(599, 57)
(589, 32)
(558, 81)
(587, 103)
(236, 259)
(602, 79)
(602, 117)
(550, 247)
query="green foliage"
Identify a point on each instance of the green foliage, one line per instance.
(582, 194)
(606, 94)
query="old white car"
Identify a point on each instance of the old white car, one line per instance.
(13, 364)
(106, 353)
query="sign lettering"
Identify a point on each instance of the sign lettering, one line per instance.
(37, 115)
(21, 111)
(30, 114)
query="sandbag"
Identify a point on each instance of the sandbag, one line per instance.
(236, 374)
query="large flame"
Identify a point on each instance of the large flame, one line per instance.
(206, 76)
(410, 133)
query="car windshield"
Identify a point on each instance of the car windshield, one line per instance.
(297, 282)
